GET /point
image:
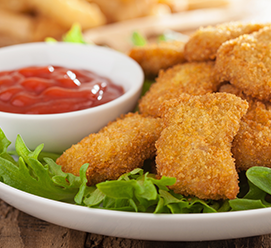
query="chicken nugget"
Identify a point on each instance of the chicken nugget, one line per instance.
(155, 57)
(191, 78)
(229, 88)
(120, 147)
(252, 144)
(258, 111)
(195, 146)
(245, 62)
(205, 42)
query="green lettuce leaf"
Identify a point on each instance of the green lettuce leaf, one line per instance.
(138, 39)
(259, 190)
(27, 173)
(74, 35)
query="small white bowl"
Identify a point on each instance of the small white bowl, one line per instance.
(59, 131)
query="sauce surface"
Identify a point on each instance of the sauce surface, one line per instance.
(54, 89)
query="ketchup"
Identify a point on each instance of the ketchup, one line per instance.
(54, 89)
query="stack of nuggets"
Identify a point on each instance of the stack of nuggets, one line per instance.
(205, 118)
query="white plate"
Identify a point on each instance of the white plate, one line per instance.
(166, 227)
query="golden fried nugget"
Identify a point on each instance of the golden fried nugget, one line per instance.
(195, 146)
(192, 78)
(258, 111)
(120, 147)
(154, 57)
(245, 62)
(229, 88)
(205, 42)
(252, 144)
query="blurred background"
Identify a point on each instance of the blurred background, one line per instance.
(112, 22)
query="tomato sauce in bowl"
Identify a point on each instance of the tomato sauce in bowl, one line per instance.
(54, 89)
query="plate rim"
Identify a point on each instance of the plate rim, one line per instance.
(178, 225)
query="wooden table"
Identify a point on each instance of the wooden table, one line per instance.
(20, 230)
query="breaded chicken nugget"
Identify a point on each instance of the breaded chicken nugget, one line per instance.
(252, 144)
(193, 78)
(245, 62)
(229, 88)
(205, 42)
(154, 57)
(118, 148)
(258, 111)
(195, 146)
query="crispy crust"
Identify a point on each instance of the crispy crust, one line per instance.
(192, 78)
(205, 42)
(118, 148)
(252, 144)
(245, 62)
(159, 56)
(195, 146)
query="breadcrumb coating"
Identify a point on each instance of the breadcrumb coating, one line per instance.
(195, 146)
(120, 147)
(229, 88)
(192, 78)
(205, 41)
(158, 56)
(258, 111)
(252, 144)
(246, 63)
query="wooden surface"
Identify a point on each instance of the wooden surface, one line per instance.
(20, 230)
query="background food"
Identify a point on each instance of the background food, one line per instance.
(34, 20)
(154, 57)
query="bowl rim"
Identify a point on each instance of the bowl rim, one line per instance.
(126, 95)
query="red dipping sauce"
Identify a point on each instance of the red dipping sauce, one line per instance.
(54, 89)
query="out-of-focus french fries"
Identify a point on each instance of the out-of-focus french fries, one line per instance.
(67, 12)
(199, 4)
(19, 28)
(175, 5)
(120, 10)
(46, 27)
(34, 20)
(15, 28)
(14, 5)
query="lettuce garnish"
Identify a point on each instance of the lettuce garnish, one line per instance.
(36, 172)
(73, 35)
(138, 39)
(27, 173)
(258, 192)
